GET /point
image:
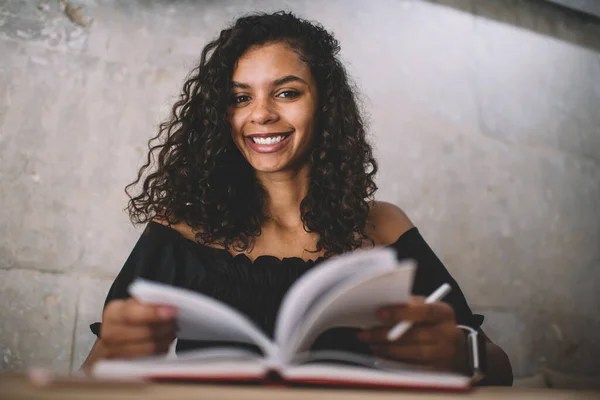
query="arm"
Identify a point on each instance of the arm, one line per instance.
(498, 368)
(130, 330)
(389, 224)
(98, 352)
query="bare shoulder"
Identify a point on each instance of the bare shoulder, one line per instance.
(181, 227)
(386, 223)
(186, 231)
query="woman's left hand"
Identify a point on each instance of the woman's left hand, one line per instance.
(433, 341)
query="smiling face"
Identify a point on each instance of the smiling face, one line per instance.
(272, 112)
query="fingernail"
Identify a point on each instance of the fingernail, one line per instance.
(166, 312)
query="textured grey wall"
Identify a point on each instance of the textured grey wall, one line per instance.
(485, 117)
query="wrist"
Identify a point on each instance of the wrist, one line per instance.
(461, 362)
(475, 350)
(98, 352)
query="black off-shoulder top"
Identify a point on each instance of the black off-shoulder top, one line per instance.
(256, 288)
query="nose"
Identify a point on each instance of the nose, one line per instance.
(263, 111)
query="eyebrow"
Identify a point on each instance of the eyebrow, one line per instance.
(287, 79)
(277, 82)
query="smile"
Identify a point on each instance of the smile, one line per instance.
(268, 140)
(268, 143)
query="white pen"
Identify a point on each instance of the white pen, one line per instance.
(401, 327)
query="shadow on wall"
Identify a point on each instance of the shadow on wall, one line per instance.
(552, 344)
(551, 20)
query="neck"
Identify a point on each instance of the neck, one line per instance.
(285, 191)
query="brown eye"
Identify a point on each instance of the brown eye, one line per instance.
(288, 94)
(240, 99)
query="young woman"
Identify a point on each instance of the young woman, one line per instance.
(262, 172)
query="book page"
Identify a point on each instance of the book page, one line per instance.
(337, 357)
(352, 305)
(201, 317)
(199, 366)
(210, 363)
(344, 375)
(318, 282)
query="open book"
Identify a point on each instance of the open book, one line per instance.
(344, 291)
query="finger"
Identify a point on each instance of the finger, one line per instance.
(385, 313)
(140, 349)
(418, 334)
(132, 312)
(120, 334)
(417, 312)
(417, 300)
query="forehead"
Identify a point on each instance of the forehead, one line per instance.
(265, 63)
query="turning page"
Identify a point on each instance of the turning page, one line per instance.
(306, 292)
(201, 317)
(351, 304)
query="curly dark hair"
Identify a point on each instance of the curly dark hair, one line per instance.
(198, 175)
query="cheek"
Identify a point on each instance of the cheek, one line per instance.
(236, 122)
(303, 120)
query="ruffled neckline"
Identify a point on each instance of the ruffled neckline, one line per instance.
(263, 259)
(241, 257)
(269, 258)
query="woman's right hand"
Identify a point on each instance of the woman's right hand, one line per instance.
(131, 329)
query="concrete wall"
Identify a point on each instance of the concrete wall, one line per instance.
(485, 117)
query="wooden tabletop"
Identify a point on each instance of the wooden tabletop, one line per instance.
(18, 387)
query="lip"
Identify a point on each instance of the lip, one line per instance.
(268, 148)
(266, 135)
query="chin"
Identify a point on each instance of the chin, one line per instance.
(272, 164)
(268, 168)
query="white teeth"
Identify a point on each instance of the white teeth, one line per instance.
(270, 140)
